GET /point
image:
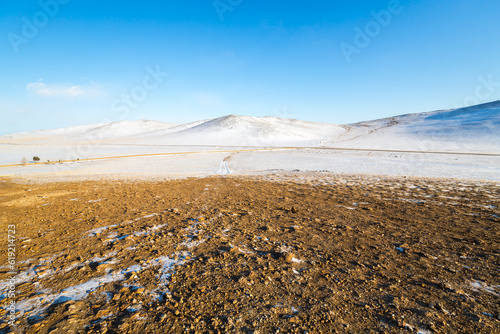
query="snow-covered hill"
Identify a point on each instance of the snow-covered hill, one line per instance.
(100, 131)
(229, 130)
(472, 129)
(247, 131)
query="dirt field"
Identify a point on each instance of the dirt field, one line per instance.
(270, 254)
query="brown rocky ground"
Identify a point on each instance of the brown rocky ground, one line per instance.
(297, 254)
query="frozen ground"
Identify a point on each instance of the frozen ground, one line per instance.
(245, 163)
(462, 143)
(389, 254)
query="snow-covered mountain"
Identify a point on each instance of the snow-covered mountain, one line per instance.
(100, 131)
(471, 129)
(247, 131)
(229, 130)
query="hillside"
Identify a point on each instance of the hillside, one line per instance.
(471, 129)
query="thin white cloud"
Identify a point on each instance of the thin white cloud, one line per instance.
(40, 88)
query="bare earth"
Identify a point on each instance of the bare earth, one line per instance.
(292, 253)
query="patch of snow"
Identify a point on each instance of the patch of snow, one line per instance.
(36, 306)
(149, 231)
(223, 169)
(285, 249)
(106, 256)
(166, 270)
(347, 207)
(130, 309)
(100, 230)
(96, 200)
(191, 244)
(112, 238)
(482, 286)
(147, 216)
(423, 331)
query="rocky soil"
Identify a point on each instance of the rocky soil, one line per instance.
(271, 254)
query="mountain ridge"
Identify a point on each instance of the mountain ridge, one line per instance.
(471, 128)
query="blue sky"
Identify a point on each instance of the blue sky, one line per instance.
(73, 62)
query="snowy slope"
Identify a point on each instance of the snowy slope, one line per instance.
(224, 131)
(100, 131)
(156, 149)
(247, 131)
(472, 129)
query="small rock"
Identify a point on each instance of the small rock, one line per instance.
(289, 257)
(103, 313)
(105, 267)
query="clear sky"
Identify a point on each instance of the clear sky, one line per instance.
(73, 62)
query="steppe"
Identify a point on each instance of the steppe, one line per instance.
(245, 224)
(290, 252)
